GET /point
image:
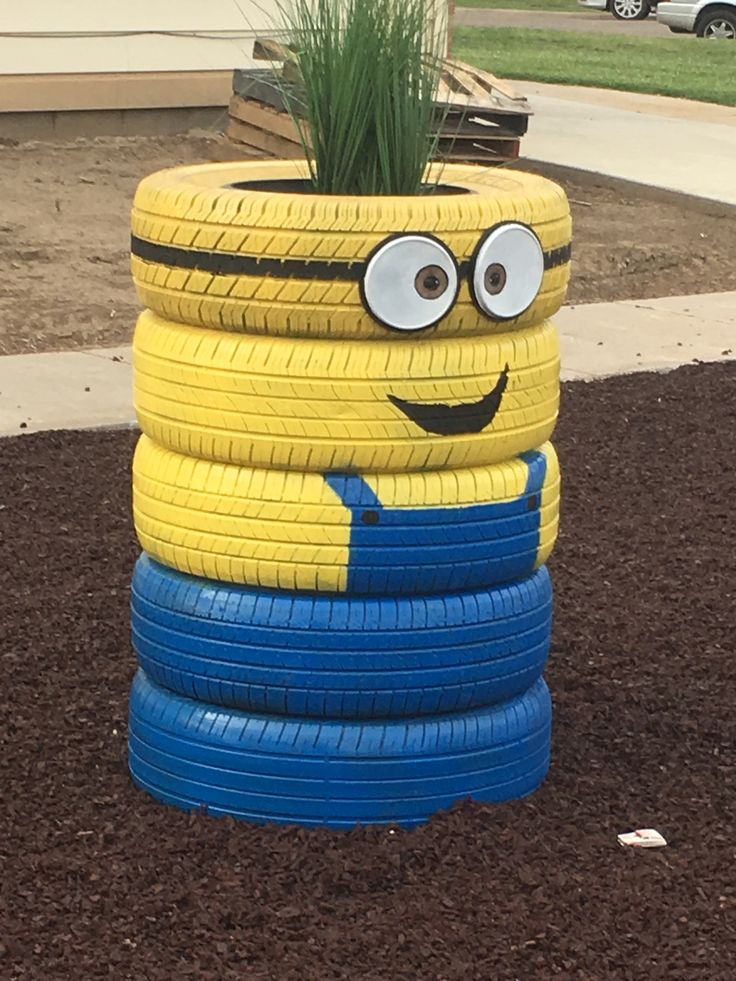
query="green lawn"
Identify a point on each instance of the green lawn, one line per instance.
(679, 66)
(520, 4)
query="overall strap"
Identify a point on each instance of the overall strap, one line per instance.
(352, 490)
(537, 464)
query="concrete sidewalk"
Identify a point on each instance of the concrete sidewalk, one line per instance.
(67, 390)
(676, 144)
(89, 389)
(603, 339)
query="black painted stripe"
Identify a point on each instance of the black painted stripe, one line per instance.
(236, 264)
(558, 257)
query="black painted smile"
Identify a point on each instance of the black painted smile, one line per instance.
(455, 420)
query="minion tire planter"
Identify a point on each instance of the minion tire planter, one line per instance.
(297, 404)
(243, 247)
(330, 771)
(345, 491)
(342, 657)
(347, 533)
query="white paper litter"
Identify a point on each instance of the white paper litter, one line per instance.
(643, 838)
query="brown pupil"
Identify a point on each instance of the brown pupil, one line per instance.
(495, 278)
(431, 282)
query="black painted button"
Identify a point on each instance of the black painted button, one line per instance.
(369, 517)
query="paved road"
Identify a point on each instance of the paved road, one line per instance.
(579, 22)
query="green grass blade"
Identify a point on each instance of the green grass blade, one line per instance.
(369, 72)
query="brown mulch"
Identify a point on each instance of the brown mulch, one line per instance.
(98, 881)
(65, 227)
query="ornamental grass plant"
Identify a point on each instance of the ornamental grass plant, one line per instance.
(369, 70)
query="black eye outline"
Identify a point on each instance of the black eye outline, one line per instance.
(474, 261)
(374, 251)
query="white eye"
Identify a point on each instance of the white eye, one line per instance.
(410, 282)
(508, 271)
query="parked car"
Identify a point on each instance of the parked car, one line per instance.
(712, 19)
(623, 9)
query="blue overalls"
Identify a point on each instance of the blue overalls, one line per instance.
(440, 549)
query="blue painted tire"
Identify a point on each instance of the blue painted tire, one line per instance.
(289, 770)
(339, 657)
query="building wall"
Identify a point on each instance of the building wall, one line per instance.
(58, 56)
(93, 36)
(91, 54)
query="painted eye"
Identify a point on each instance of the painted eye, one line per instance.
(508, 271)
(410, 282)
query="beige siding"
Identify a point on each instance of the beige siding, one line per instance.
(58, 55)
(89, 36)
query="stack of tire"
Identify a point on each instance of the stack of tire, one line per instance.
(344, 491)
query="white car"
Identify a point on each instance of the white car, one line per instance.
(712, 19)
(623, 9)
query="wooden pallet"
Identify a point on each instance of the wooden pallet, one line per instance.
(265, 129)
(480, 118)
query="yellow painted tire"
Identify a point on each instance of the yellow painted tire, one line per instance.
(327, 406)
(288, 263)
(371, 534)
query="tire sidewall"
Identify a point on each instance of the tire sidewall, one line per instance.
(708, 19)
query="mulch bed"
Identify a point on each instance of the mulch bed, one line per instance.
(101, 882)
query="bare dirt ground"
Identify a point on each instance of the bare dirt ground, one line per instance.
(64, 236)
